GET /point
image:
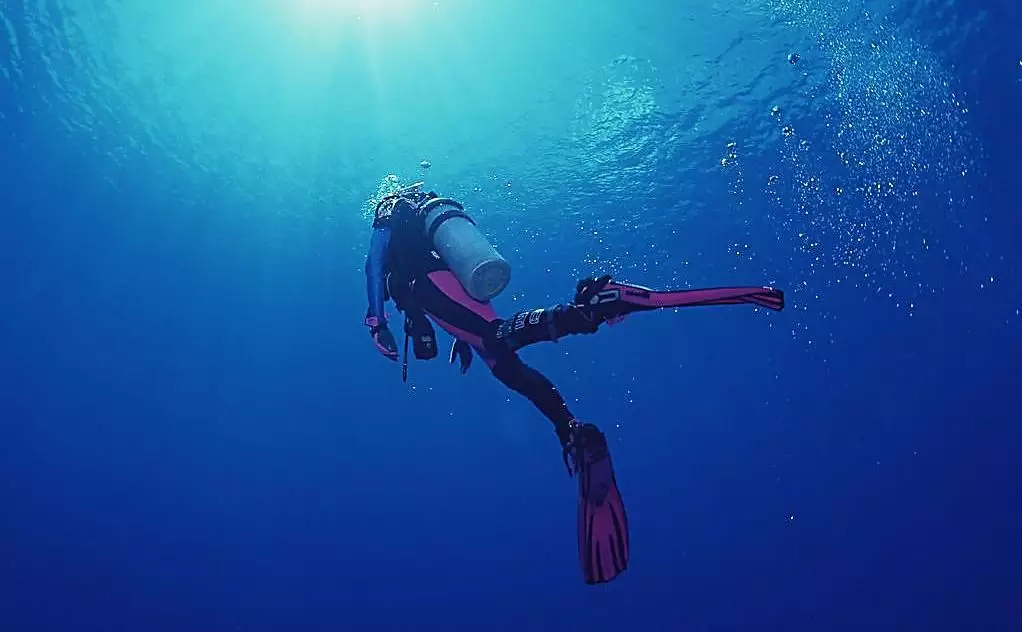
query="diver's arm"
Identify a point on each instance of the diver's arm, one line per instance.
(375, 281)
(376, 318)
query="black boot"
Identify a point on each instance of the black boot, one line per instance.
(598, 302)
(569, 435)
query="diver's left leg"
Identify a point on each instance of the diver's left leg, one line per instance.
(534, 386)
(602, 526)
(441, 296)
(603, 541)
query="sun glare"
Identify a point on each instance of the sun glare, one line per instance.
(338, 10)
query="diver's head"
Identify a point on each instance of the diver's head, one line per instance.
(392, 194)
(389, 185)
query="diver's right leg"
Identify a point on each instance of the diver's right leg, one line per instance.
(547, 324)
(596, 301)
(602, 300)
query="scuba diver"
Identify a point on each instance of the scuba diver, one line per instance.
(427, 255)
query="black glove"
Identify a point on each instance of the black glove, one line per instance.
(382, 338)
(462, 352)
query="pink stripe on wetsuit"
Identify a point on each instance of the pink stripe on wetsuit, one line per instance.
(456, 318)
(445, 301)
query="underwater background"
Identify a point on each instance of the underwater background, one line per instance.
(196, 432)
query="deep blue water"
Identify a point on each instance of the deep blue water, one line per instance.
(195, 430)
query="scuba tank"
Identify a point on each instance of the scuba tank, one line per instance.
(453, 235)
(477, 265)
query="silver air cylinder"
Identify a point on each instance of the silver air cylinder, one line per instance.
(476, 264)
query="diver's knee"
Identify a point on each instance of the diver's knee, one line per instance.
(507, 370)
(497, 347)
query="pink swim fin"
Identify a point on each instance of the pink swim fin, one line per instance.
(602, 521)
(611, 300)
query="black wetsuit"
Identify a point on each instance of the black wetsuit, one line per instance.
(401, 261)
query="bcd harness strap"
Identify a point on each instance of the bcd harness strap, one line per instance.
(404, 361)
